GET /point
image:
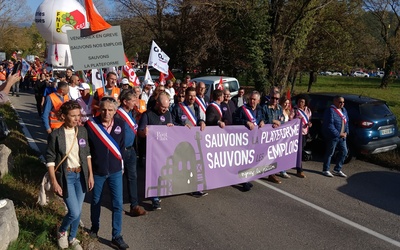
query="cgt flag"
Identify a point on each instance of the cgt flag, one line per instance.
(128, 72)
(158, 59)
(220, 84)
(97, 22)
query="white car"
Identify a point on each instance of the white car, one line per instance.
(360, 74)
(380, 74)
(336, 73)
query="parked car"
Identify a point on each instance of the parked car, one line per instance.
(336, 73)
(360, 74)
(326, 73)
(373, 127)
(380, 74)
(211, 82)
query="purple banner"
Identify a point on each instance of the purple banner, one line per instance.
(182, 160)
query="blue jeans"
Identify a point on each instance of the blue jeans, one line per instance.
(74, 204)
(115, 184)
(130, 163)
(339, 143)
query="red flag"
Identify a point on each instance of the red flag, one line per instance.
(289, 98)
(170, 76)
(220, 84)
(161, 79)
(129, 73)
(96, 21)
(14, 56)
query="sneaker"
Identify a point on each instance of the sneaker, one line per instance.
(62, 240)
(119, 243)
(274, 179)
(199, 194)
(284, 175)
(301, 174)
(74, 244)
(327, 173)
(137, 211)
(339, 173)
(156, 205)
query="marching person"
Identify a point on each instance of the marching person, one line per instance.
(106, 138)
(124, 112)
(252, 116)
(85, 101)
(52, 104)
(335, 129)
(158, 115)
(302, 112)
(201, 99)
(111, 89)
(68, 149)
(214, 113)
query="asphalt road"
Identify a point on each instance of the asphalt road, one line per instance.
(358, 212)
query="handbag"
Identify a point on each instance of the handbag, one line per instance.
(45, 192)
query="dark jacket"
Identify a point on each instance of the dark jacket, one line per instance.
(212, 116)
(103, 161)
(56, 150)
(228, 110)
(241, 118)
(178, 116)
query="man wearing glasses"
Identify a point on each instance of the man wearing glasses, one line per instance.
(273, 115)
(335, 130)
(239, 98)
(158, 115)
(228, 108)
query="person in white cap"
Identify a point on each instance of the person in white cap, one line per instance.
(125, 84)
(85, 101)
(147, 90)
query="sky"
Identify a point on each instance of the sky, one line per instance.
(34, 4)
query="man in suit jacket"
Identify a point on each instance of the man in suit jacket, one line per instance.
(214, 113)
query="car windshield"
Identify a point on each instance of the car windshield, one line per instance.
(375, 110)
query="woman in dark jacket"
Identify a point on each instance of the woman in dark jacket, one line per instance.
(70, 142)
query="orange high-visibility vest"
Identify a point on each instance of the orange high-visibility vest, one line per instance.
(100, 93)
(56, 103)
(3, 75)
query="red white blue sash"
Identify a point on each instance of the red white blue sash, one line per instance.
(303, 116)
(105, 137)
(217, 107)
(127, 119)
(340, 113)
(201, 104)
(249, 115)
(188, 112)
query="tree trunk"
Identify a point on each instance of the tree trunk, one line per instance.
(313, 79)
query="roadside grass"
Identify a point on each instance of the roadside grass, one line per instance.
(37, 224)
(366, 87)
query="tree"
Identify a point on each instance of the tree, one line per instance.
(387, 13)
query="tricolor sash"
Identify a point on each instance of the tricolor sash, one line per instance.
(105, 137)
(303, 116)
(127, 119)
(189, 113)
(340, 113)
(201, 104)
(217, 107)
(249, 115)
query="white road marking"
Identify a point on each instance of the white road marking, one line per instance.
(333, 215)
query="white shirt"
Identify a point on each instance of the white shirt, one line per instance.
(74, 93)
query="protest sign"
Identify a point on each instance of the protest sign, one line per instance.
(94, 50)
(182, 160)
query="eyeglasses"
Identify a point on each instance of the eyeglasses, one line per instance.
(274, 98)
(107, 98)
(227, 95)
(182, 96)
(341, 102)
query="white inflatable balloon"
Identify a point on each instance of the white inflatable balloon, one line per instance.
(53, 18)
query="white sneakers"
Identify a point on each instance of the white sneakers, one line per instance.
(74, 244)
(62, 240)
(327, 173)
(337, 173)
